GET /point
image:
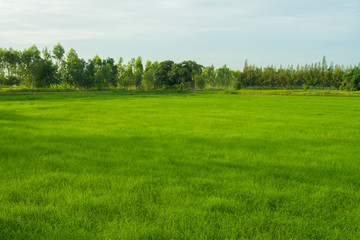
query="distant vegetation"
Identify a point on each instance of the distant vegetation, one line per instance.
(32, 68)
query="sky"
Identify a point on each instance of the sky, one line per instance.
(265, 32)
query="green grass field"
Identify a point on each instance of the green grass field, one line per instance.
(179, 166)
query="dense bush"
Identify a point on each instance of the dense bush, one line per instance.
(352, 80)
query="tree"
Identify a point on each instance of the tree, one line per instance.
(324, 65)
(121, 73)
(112, 80)
(31, 65)
(189, 74)
(34, 68)
(11, 61)
(338, 76)
(138, 72)
(209, 75)
(351, 80)
(58, 55)
(89, 74)
(97, 63)
(149, 76)
(175, 76)
(249, 76)
(237, 83)
(282, 77)
(99, 81)
(129, 73)
(181, 75)
(46, 54)
(35, 71)
(223, 76)
(2, 66)
(46, 74)
(200, 81)
(103, 76)
(58, 52)
(75, 69)
(154, 67)
(162, 73)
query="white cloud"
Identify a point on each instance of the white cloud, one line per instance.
(246, 26)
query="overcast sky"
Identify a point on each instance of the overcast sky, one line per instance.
(215, 32)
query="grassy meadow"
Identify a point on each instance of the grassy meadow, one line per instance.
(179, 166)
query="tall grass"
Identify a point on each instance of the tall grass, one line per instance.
(294, 92)
(179, 166)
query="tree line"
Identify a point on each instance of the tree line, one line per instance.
(32, 68)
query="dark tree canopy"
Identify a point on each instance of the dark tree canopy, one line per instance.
(163, 73)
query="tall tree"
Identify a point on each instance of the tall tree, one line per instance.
(31, 59)
(11, 61)
(59, 53)
(129, 72)
(162, 73)
(351, 80)
(2, 66)
(111, 81)
(154, 67)
(138, 72)
(121, 73)
(75, 69)
(209, 75)
(89, 74)
(46, 54)
(149, 76)
(189, 74)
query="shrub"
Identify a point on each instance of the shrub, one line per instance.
(11, 81)
(239, 85)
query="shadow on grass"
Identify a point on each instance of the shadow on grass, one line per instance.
(100, 95)
(187, 157)
(7, 115)
(14, 119)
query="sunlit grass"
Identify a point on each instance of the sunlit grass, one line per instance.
(211, 166)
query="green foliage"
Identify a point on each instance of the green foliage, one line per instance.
(209, 75)
(223, 76)
(10, 81)
(46, 54)
(58, 52)
(112, 70)
(105, 72)
(179, 75)
(2, 79)
(75, 74)
(148, 81)
(129, 77)
(38, 72)
(200, 81)
(293, 92)
(34, 70)
(351, 80)
(46, 74)
(230, 91)
(315, 75)
(190, 71)
(239, 85)
(10, 61)
(138, 72)
(163, 73)
(306, 87)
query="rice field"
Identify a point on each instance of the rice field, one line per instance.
(179, 166)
